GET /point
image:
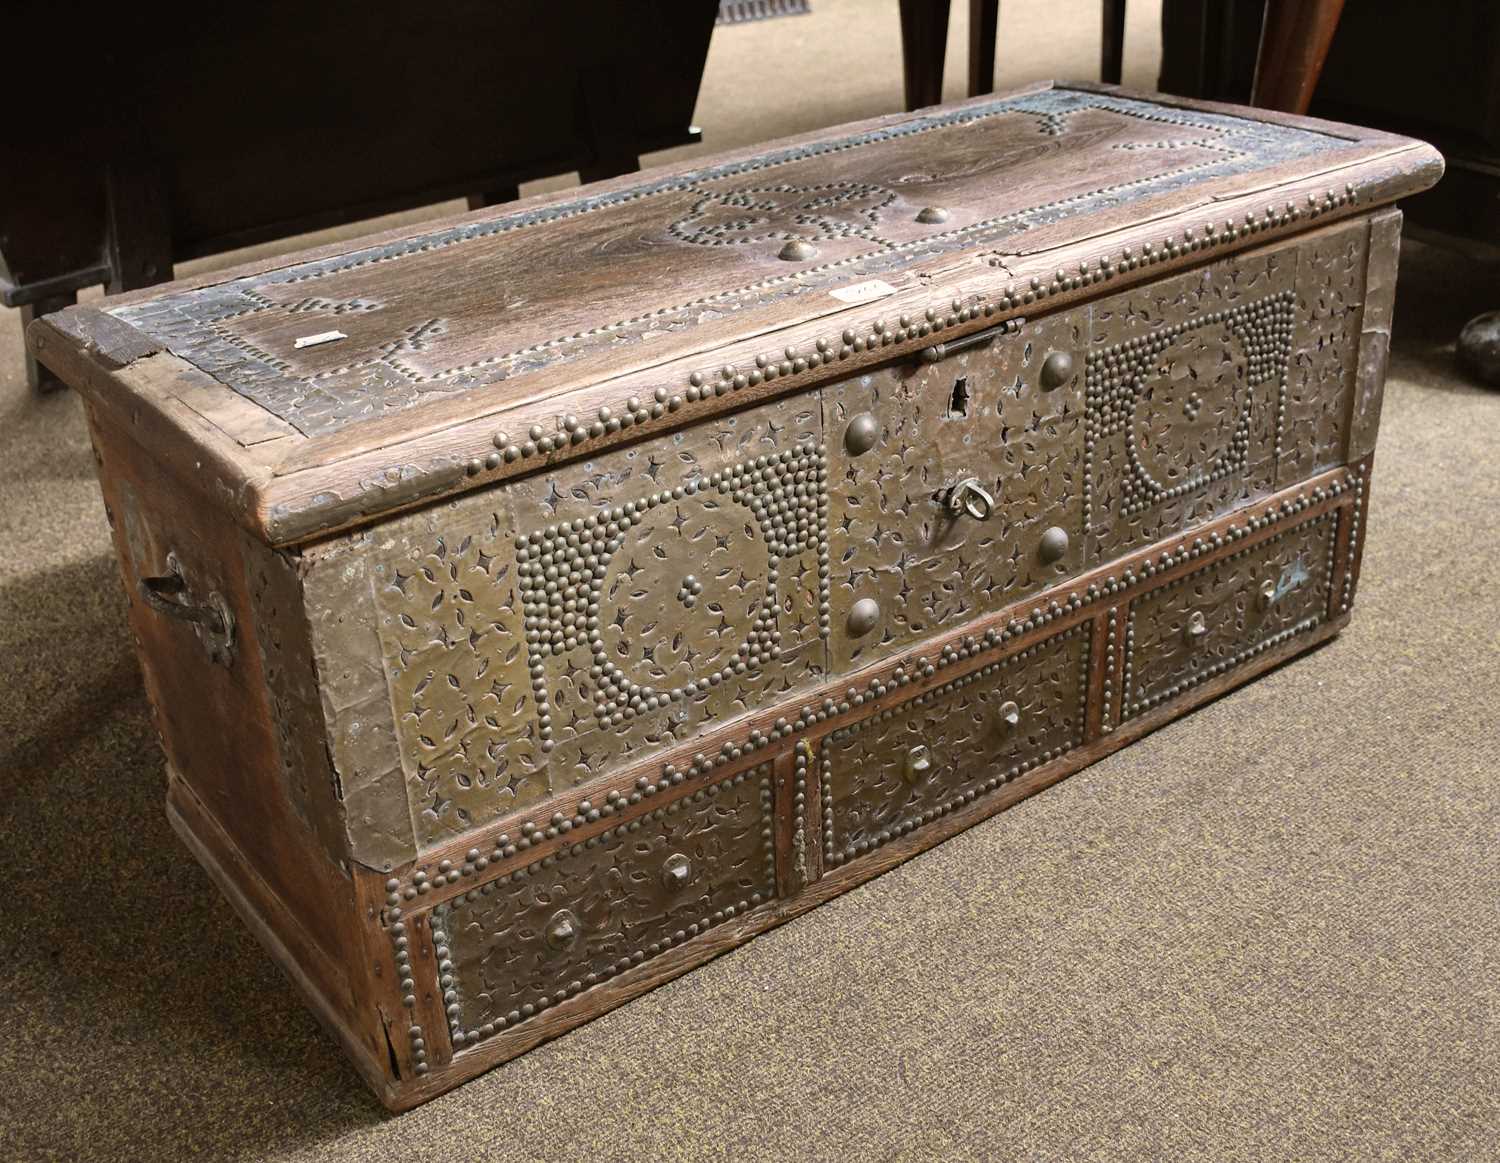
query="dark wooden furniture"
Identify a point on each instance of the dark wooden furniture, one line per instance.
(1294, 42)
(924, 38)
(540, 602)
(1293, 38)
(171, 140)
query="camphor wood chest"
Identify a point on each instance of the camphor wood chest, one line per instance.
(540, 603)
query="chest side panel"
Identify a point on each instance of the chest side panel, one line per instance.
(538, 634)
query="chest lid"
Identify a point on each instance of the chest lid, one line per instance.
(318, 391)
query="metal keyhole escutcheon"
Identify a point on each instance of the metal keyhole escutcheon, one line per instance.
(918, 763)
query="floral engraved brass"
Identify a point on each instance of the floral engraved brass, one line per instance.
(451, 632)
(917, 761)
(539, 633)
(1186, 383)
(1324, 370)
(1209, 621)
(952, 515)
(517, 945)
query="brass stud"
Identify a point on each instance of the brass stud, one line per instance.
(677, 871)
(932, 215)
(862, 433)
(863, 616)
(798, 251)
(1057, 369)
(1054, 544)
(562, 929)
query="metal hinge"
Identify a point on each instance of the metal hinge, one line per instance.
(941, 351)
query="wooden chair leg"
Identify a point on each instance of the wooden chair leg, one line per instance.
(1112, 43)
(140, 226)
(924, 40)
(1294, 43)
(984, 25)
(38, 378)
(500, 194)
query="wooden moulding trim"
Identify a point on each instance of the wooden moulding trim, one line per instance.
(447, 872)
(583, 1007)
(137, 401)
(313, 497)
(322, 981)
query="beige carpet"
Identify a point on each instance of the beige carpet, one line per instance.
(1270, 931)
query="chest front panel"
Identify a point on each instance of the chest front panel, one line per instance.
(539, 634)
(955, 487)
(917, 761)
(1217, 386)
(522, 943)
(1216, 618)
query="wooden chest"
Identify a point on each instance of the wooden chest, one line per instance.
(537, 605)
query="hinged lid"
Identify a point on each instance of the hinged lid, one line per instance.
(318, 391)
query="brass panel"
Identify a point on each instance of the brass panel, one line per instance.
(899, 439)
(1185, 379)
(450, 623)
(1375, 332)
(509, 949)
(540, 633)
(363, 735)
(914, 762)
(1325, 353)
(1211, 620)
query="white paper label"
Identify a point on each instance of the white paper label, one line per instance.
(320, 337)
(865, 292)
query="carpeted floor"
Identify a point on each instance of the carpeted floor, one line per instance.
(1270, 931)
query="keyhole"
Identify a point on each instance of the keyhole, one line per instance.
(958, 402)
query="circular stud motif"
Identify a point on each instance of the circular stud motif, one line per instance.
(1054, 544)
(562, 929)
(932, 216)
(862, 433)
(1057, 369)
(863, 616)
(798, 251)
(677, 872)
